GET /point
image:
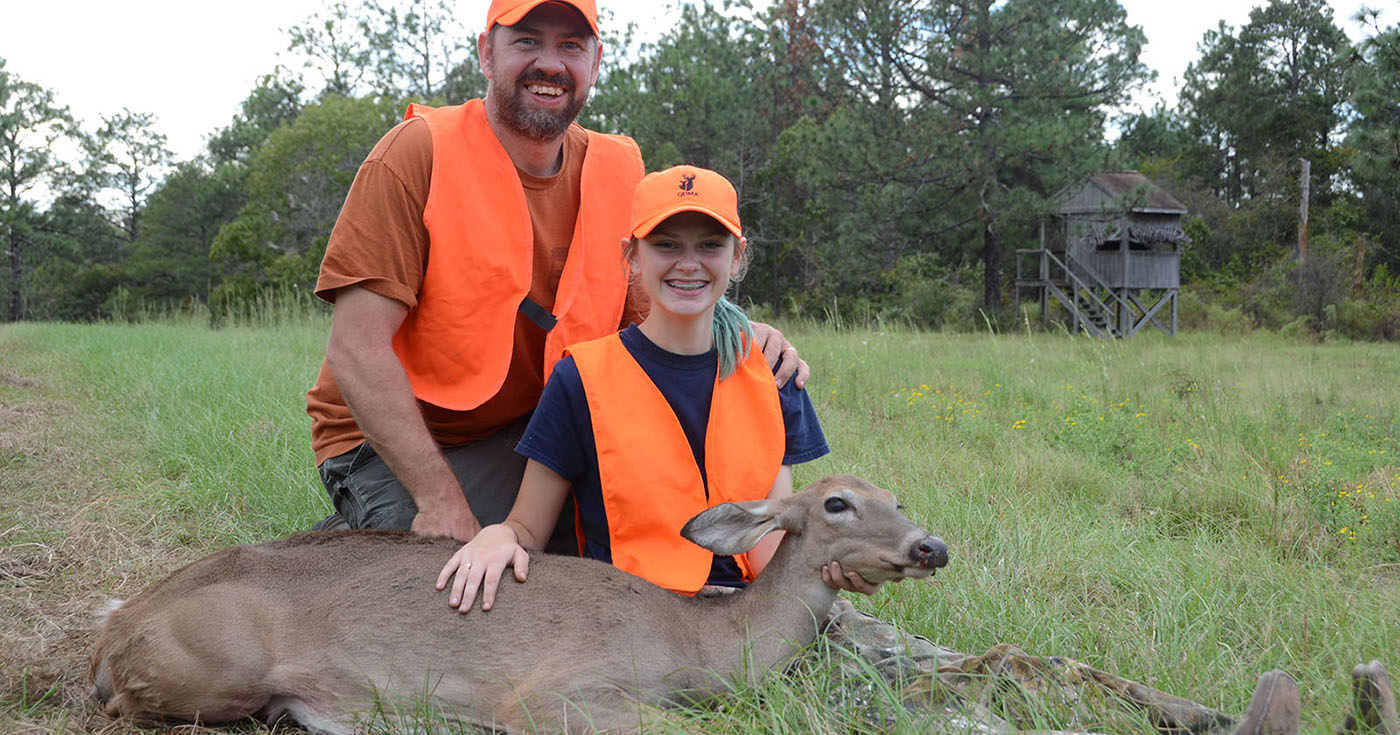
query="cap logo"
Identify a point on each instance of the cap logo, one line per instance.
(687, 184)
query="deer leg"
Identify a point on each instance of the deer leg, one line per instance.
(195, 661)
(1374, 702)
(600, 709)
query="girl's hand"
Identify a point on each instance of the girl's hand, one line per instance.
(849, 581)
(481, 564)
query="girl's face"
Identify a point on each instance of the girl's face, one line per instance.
(685, 263)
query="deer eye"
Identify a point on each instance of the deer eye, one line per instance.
(836, 505)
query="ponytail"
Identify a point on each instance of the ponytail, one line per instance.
(731, 328)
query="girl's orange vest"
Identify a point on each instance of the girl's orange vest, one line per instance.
(456, 343)
(651, 484)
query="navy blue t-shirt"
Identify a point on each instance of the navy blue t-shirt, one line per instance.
(560, 434)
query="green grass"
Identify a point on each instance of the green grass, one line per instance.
(209, 424)
(1186, 512)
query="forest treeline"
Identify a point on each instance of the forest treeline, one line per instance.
(890, 156)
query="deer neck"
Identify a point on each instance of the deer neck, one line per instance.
(782, 611)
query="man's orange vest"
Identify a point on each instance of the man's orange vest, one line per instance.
(651, 484)
(456, 343)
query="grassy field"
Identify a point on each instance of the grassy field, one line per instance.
(1188, 513)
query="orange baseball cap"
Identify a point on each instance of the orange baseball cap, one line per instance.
(684, 189)
(509, 12)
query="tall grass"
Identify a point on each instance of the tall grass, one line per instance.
(1187, 512)
(207, 433)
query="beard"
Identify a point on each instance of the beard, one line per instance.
(533, 123)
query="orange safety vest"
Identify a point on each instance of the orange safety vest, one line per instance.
(456, 343)
(650, 482)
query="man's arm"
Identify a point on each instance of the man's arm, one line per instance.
(376, 388)
(781, 355)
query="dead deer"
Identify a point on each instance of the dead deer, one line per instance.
(321, 626)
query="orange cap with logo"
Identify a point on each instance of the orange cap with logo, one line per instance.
(509, 12)
(684, 189)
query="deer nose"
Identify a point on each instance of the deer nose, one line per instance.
(931, 552)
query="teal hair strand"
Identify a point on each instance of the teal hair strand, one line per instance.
(731, 326)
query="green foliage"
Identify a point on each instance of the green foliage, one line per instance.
(1010, 107)
(1373, 141)
(127, 158)
(1255, 102)
(393, 49)
(1322, 298)
(1258, 100)
(331, 43)
(863, 133)
(1206, 313)
(296, 184)
(919, 291)
(690, 98)
(76, 261)
(170, 264)
(274, 102)
(30, 123)
(418, 46)
(1154, 140)
(855, 210)
(886, 152)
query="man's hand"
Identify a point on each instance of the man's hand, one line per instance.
(376, 388)
(456, 522)
(849, 581)
(781, 354)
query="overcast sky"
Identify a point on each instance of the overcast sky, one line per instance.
(191, 63)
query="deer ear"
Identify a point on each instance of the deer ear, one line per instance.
(733, 528)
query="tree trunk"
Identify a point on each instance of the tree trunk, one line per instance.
(1303, 184)
(16, 272)
(991, 241)
(991, 260)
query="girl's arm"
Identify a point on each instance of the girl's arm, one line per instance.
(761, 554)
(483, 561)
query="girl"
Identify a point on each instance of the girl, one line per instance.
(652, 425)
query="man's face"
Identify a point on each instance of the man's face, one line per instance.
(541, 70)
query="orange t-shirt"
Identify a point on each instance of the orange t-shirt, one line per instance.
(379, 243)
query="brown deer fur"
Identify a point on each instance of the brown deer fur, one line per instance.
(322, 626)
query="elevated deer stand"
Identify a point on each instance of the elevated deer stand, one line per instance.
(1110, 256)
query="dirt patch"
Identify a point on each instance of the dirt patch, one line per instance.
(68, 547)
(15, 380)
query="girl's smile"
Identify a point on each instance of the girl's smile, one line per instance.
(684, 264)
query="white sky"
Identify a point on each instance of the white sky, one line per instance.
(191, 63)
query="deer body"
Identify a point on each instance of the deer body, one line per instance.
(318, 626)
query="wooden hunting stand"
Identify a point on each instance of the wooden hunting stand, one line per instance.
(1110, 256)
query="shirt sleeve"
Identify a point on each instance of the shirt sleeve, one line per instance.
(637, 306)
(559, 431)
(379, 241)
(805, 439)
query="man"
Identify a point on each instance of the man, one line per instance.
(476, 242)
